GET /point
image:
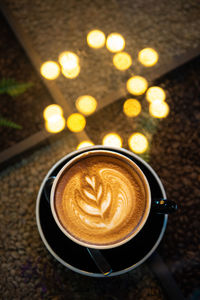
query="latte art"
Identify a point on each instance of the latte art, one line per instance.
(97, 200)
(100, 200)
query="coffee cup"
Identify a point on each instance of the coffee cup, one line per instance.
(101, 199)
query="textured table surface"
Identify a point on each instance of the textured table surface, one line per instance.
(28, 271)
(172, 28)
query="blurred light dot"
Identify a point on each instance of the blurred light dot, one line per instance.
(155, 93)
(112, 139)
(148, 57)
(159, 109)
(52, 110)
(71, 73)
(55, 123)
(85, 144)
(137, 85)
(138, 142)
(115, 42)
(122, 61)
(86, 104)
(96, 39)
(132, 107)
(50, 70)
(76, 122)
(68, 60)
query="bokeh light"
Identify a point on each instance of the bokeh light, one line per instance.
(52, 110)
(112, 139)
(68, 60)
(115, 42)
(86, 104)
(137, 85)
(138, 143)
(148, 57)
(55, 124)
(50, 70)
(84, 144)
(96, 39)
(71, 74)
(76, 122)
(132, 107)
(159, 109)
(122, 61)
(155, 93)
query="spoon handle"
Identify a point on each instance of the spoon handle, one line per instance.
(100, 261)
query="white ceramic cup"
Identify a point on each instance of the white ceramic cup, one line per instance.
(46, 187)
(142, 178)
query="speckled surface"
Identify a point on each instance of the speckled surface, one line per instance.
(28, 271)
(170, 27)
(174, 155)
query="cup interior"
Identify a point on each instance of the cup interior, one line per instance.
(131, 164)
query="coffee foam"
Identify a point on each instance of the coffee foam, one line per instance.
(100, 200)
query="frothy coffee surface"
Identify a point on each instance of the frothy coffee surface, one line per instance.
(100, 200)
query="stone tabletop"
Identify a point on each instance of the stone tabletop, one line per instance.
(172, 28)
(28, 271)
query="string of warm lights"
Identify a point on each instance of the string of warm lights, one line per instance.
(137, 85)
(54, 120)
(132, 107)
(69, 65)
(122, 61)
(76, 122)
(84, 144)
(148, 57)
(115, 42)
(96, 39)
(73, 73)
(86, 104)
(112, 139)
(50, 70)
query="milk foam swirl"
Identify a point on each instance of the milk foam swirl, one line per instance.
(100, 200)
(110, 200)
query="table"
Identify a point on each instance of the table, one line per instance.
(28, 270)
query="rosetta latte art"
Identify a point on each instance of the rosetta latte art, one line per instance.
(104, 201)
(100, 200)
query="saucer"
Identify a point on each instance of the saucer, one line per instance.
(123, 258)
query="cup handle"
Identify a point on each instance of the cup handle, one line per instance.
(164, 206)
(47, 188)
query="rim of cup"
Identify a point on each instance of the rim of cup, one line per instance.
(142, 177)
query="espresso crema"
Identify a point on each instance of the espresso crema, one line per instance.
(100, 200)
